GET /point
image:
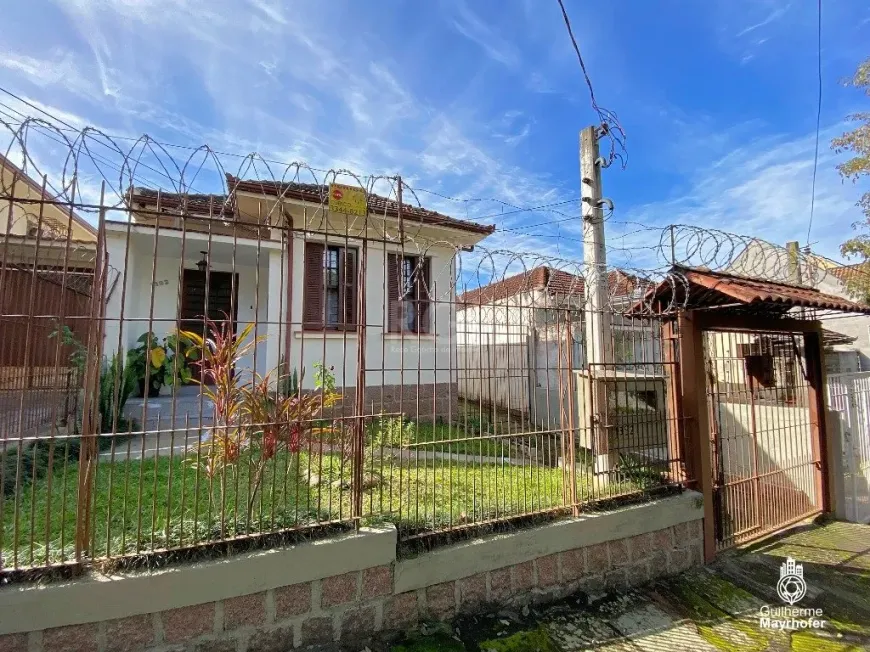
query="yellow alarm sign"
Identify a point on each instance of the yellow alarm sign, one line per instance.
(350, 200)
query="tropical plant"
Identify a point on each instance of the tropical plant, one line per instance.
(116, 386)
(79, 354)
(254, 420)
(155, 363)
(288, 384)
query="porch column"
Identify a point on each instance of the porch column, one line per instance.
(277, 310)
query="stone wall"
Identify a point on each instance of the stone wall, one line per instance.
(350, 588)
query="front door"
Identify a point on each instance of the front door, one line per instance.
(216, 291)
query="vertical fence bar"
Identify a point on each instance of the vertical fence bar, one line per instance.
(90, 418)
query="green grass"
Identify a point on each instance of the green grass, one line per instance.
(472, 432)
(165, 503)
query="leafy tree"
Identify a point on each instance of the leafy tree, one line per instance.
(857, 144)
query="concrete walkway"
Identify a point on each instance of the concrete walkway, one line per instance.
(715, 608)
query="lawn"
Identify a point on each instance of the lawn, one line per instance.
(169, 502)
(158, 503)
(474, 431)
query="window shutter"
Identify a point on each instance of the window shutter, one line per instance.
(312, 311)
(425, 289)
(394, 314)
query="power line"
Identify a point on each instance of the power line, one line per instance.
(609, 122)
(818, 125)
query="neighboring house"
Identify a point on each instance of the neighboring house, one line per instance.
(846, 336)
(271, 254)
(513, 339)
(47, 255)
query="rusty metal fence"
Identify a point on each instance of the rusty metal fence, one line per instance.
(254, 361)
(765, 456)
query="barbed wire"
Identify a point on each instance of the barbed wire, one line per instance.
(203, 193)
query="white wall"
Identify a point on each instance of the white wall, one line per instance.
(784, 442)
(153, 305)
(391, 359)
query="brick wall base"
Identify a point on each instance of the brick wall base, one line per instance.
(355, 606)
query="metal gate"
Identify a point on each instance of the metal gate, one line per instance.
(763, 435)
(849, 398)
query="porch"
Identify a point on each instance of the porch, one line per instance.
(168, 279)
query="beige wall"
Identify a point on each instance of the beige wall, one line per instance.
(23, 214)
(348, 587)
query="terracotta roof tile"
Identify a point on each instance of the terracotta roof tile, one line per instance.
(555, 281)
(377, 204)
(708, 289)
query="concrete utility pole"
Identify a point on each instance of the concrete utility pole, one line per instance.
(794, 262)
(599, 350)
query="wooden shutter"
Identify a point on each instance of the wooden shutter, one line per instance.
(313, 296)
(424, 315)
(394, 312)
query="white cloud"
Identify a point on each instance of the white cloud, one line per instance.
(480, 32)
(763, 189)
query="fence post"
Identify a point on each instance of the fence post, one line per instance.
(818, 412)
(90, 408)
(572, 420)
(358, 444)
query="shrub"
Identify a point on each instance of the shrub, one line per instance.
(116, 386)
(391, 432)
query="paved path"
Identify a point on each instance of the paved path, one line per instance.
(710, 609)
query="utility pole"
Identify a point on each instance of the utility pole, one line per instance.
(599, 350)
(794, 262)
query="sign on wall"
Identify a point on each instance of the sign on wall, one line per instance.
(350, 200)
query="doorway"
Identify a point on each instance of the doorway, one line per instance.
(216, 291)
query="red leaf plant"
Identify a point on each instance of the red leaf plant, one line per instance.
(253, 421)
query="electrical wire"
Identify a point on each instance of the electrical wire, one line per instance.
(609, 122)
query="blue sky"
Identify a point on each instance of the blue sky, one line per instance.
(478, 99)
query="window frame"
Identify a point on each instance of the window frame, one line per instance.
(418, 294)
(348, 316)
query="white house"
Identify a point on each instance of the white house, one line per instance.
(515, 351)
(846, 336)
(313, 283)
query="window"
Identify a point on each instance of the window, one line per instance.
(330, 287)
(408, 295)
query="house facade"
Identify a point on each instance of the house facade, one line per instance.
(316, 287)
(515, 351)
(846, 336)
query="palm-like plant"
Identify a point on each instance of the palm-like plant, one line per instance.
(253, 421)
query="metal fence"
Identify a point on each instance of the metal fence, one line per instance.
(849, 398)
(251, 363)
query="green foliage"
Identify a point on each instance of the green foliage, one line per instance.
(79, 354)
(162, 363)
(324, 378)
(116, 386)
(856, 143)
(288, 384)
(391, 432)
